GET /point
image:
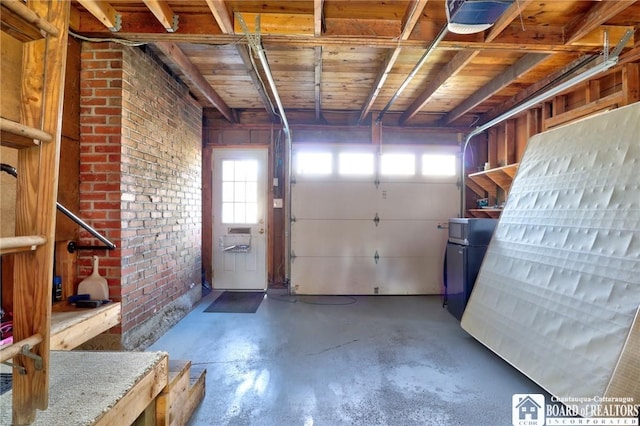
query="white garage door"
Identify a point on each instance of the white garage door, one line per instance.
(366, 222)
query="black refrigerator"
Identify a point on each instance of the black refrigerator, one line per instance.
(468, 242)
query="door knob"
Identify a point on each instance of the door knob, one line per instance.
(261, 230)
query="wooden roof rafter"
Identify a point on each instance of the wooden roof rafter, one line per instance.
(521, 67)
(318, 6)
(104, 13)
(245, 55)
(317, 17)
(317, 88)
(597, 15)
(409, 21)
(164, 14)
(461, 60)
(578, 28)
(178, 57)
(221, 15)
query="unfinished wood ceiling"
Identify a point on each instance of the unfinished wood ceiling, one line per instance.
(343, 62)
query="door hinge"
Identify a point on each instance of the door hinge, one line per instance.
(377, 183)
(376, 219)
(376, 257)
(293, 219)
(292, 256)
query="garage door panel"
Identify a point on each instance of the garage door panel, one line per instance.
(413, 201)
(333, 275)
(334, 200)
(327, 238)
(410, 238)
(334, 239)
(410, 275)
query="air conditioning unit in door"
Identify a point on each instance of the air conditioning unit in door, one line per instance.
(472, 16)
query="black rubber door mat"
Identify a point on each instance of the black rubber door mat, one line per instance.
(237, 302)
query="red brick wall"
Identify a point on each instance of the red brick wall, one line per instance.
(140, 178)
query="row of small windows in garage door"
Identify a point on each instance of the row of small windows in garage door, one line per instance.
(365, 164)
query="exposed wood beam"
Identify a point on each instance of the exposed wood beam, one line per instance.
(317, 17)
(278, 23)
(318, 6)
(381, 78)
(317, 83)
(599, 13)
(103, 12)
(515, 71)
(244, 53)
(221, 14)
(461, 60)
(200, 28)
(506, 18)
(411, 17)
(452, 68)
(565, 72)
(178, 57)
(163, 12)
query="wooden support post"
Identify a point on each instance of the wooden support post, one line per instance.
(631, 83)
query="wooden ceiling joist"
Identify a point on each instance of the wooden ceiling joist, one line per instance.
(317, 82)
(163, 12)
(461, 60)
(551, 79)
(221, 15)
(177, 56)
(411, 17)
(599, 13)
(244, 53)
(103, 12)
(524, 64)
(317, 17)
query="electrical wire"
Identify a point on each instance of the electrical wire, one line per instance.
(114, 40)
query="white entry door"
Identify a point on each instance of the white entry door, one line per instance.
(239, 219)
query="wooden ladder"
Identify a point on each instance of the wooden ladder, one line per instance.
(42, 28)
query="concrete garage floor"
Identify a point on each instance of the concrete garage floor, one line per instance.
(383, 360)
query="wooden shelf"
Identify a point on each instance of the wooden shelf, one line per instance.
(21, 244)
(487, 183)
(71, 326)
(500, 176)
(485, 213)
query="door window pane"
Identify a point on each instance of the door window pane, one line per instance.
(398, 164)
(239, 191)
(351, 163)
(438, 165)
(313, 163)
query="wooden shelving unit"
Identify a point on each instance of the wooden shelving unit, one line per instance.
(491, 180)
(488, 183)
(486, 213)
(72, 327)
